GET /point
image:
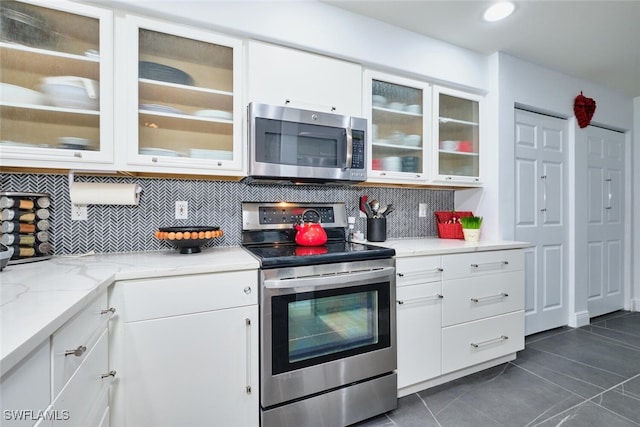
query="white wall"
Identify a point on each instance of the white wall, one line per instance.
(542, 89)
(635, 256)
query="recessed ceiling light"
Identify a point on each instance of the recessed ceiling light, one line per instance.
(498, 11)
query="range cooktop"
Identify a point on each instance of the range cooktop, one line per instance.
(268, 234)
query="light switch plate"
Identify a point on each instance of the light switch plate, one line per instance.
(422, 210)
(182, 210)
(78, 212)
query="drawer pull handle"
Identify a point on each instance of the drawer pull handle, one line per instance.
(490, 263)
(108, 374)
(247, 290)
(413, 273)
(111, 310)
(491, 341)
(247, 323)
(414, 300)
(500, 295)
(77, 352)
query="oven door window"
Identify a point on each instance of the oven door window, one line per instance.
(310, 328)
(299, 144)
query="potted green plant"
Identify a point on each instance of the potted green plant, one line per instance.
(471, 227)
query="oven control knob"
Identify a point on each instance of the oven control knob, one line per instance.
(247, 290)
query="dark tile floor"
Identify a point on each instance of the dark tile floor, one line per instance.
(585, 377)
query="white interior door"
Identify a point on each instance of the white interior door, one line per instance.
(541, 217)
(605, 218)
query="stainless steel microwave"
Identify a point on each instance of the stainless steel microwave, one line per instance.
(300, 146)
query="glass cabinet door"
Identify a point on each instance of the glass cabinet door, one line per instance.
(55, 84)
(186, 99)
(457, 136)
(398, 134)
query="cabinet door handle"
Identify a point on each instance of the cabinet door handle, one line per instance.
(111, 310)
(488, 342)
(500, 295)
(77, 352)
(108, 374)
(415, 300)
(247, 323)
(490, 263)
(415, 273)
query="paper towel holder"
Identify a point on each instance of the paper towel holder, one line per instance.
(138, 188)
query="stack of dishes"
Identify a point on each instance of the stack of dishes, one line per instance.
(74, 143)
(214, 114)
(72, 92)
(165, 73)
(152, 151)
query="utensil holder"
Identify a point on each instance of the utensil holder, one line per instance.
(376, 229)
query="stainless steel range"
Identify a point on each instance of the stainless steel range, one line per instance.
(327, 319)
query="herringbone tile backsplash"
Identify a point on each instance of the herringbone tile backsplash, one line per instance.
(211, 203)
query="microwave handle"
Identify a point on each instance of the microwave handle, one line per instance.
(349, 158)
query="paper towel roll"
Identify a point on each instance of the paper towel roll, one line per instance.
(89, 193)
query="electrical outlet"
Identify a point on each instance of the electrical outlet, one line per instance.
(422, 210)
(78, 212)
(182, 210)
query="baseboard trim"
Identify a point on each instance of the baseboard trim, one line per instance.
(579, 319)
(635, 304)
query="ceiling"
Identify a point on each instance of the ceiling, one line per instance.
(596, 40)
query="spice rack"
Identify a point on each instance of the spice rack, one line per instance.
(25, 225)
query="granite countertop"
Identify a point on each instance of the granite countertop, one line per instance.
(38, 298)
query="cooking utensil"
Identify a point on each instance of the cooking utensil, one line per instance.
(375, 205)
(310, 233)
(390, 208)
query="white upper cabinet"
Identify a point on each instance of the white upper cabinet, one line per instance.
(182, 99)
(56, 78)
(398, 111)
(283, 76)
(457, 118)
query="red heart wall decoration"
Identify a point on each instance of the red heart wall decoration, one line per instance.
(584, 108)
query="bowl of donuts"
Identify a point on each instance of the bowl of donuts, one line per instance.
(189, 240)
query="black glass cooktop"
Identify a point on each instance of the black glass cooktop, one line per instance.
(290, 254)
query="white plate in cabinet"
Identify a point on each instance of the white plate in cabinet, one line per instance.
(156, 298)
(72, 342)
(419, 308)
(478, 297)
(81, 396)
(479, 341)
(481, 263)
(415, 270)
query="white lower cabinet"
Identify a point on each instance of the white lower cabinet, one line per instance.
(419, 311)
(26, 389)
(189, 349)
(457, 314)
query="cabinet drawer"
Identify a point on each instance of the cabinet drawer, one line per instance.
(80, 397)
(81, 331)
(474, 298)
(173, 296)
(416, 270)
(480, 263)
(475, 342)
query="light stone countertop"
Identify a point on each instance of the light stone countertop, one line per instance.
(436, 246)
(38, 298)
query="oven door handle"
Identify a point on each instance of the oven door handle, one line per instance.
(332, 280)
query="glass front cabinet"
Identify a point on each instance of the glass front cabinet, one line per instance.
(56, 81)
(456, 137)
(183, 105)
(399, 134)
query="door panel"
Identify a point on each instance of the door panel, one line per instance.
(541, 180)
(605, 231)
